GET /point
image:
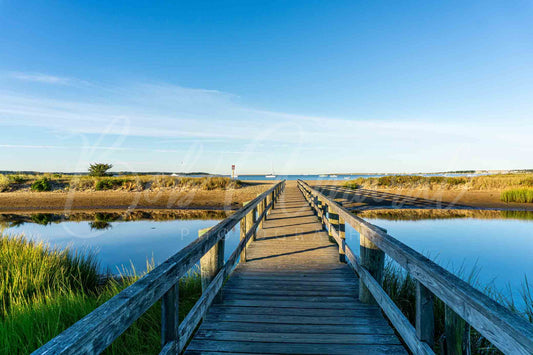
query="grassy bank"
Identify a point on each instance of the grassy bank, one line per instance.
(43, 291)
(401, 287)
(487, 182)
(59, 182)
(517, 195)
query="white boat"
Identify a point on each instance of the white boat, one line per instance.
(333, 176)
(271, 175)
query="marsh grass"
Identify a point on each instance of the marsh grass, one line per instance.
(4, 182)
(401, 288)
(44, 291)
(517, 195)
(486, 182)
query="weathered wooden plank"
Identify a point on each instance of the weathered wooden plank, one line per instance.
(292, 348)
(226, 335)
(296, 287)
(258, 292)
(506, 330)
(301, 298)
(289, 304)
(301, 328)
(364, 311)
(282, 319)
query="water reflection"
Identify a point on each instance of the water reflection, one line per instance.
(120, 240)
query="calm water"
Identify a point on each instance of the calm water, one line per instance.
(124, 244)
(500, 249)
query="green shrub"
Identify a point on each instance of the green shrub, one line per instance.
(16, 179)
(99, 169)
(107, 184)
(517, 195)
(42, 184)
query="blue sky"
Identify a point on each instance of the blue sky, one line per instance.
(307, 86)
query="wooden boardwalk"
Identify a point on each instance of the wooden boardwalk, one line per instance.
(292, 295)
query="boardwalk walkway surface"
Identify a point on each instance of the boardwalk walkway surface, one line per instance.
(292, 295)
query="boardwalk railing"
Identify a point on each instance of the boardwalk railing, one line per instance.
(506, 330)
(100, 328)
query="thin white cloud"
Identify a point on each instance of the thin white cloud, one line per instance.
(41, 78)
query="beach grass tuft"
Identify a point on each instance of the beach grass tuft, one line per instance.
(43, 291)
(517, 195)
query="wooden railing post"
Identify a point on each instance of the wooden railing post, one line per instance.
(342, 235)
(425, 321)
(251, 221)
(333, 219)
(324, 214)
(243, 231)
(372, 259)
(170, 316)
(211, 262)
(457, 333)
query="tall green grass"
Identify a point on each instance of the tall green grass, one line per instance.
(517, 195)
(44, 291)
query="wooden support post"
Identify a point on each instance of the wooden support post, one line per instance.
(333, 224)
(342, 235)
(457, 333)
(319, 208)
(372, 259)
(170, 315)
(250, 220)
(211, 262)
(268, 199)
(260, 209)
(425, 321)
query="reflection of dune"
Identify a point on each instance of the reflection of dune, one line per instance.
(421, 214)
(10, 219)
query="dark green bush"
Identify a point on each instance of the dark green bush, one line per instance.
(110, 183)
(42, 184)
(16, 179)
(99, 169)
(107, 184)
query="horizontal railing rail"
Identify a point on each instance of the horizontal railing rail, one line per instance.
(96, 331)
(506, 330)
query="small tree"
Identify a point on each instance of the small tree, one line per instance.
(99, 169)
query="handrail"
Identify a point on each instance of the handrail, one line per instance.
(97, 330)
(503, 328)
